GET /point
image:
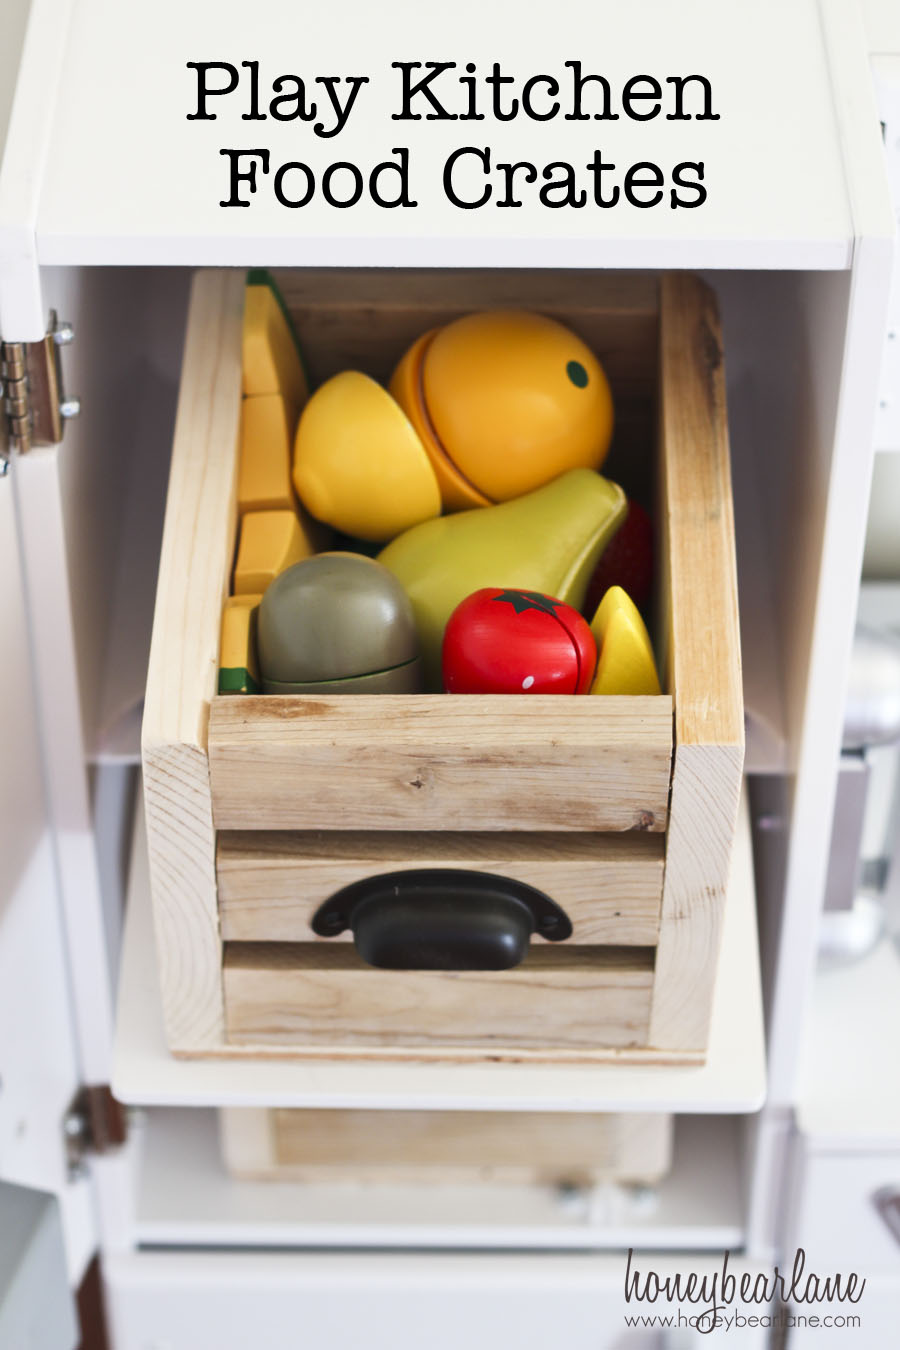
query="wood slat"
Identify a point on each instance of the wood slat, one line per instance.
(365, 320)
(445, 1146)
(703, 659)
(198, 540)
(297, 994)
(270, 884)
(440, 762)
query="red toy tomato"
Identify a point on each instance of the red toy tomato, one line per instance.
(627, 561)
(517, 642)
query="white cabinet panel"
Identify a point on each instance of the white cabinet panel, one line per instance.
(39, 1069)
(157, 179)
(175, 1301)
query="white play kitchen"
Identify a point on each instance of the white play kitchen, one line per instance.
(419, 1009)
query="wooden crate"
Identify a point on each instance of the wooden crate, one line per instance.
(445, 1147)
(623, 809)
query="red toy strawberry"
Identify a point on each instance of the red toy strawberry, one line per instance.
(627, 561)
(517, 642)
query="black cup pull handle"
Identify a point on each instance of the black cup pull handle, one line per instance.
(442, 919)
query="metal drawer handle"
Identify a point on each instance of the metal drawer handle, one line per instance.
(441, 919)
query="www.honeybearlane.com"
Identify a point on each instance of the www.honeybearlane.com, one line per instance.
(720, 1300)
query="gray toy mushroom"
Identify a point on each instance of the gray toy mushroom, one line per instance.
(338, 623)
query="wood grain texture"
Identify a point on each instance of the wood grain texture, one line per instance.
(365, 320)
(270, 884)
(198, 541)
(315, 993)
(440, 762)
(703, 660)
(445, 1147)
(355, 319)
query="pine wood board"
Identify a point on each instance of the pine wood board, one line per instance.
(703, 659)
(197, 546)
(444, 1147)
(440, 762)
(270, 884)
(307, 993)
(365, 320)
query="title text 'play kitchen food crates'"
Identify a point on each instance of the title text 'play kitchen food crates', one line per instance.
(623, 810)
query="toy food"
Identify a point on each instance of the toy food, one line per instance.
(267, 437)
(547, 541)
(338, 623)
(625, 664)
(517, 642)
(271, 361)
(238, 668)
(358, 462)
(457, 493)
(270, 541)
(504, 402)
(627, 561)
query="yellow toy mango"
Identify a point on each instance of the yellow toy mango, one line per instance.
(270, 541)
(625, 664)
(359, 464)
(267, 437)
(271, 361)
(548, 541)
(505, 401)
(238, 667)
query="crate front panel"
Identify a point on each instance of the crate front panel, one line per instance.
(271, 884)
(440, 762)
(321, 993)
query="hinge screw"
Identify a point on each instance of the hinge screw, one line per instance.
(75, 1125)
(63, 334)
(70, 407)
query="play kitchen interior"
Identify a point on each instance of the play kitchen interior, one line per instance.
(443, 733)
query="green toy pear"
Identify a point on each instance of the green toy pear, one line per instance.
(549, 540)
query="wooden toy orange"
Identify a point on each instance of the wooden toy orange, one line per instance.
(505, 401)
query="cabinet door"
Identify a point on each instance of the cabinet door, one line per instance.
(39, 1069)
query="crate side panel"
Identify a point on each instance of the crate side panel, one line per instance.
(198, 541)
(703, 661)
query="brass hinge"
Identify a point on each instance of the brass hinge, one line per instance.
(34, 405)
(95, 1123)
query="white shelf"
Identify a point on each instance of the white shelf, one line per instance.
(732, 1080)
(849, 1091)
(185, 1197)
(157, 179)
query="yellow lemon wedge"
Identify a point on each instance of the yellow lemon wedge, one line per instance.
(625, 664)
(358, 462)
